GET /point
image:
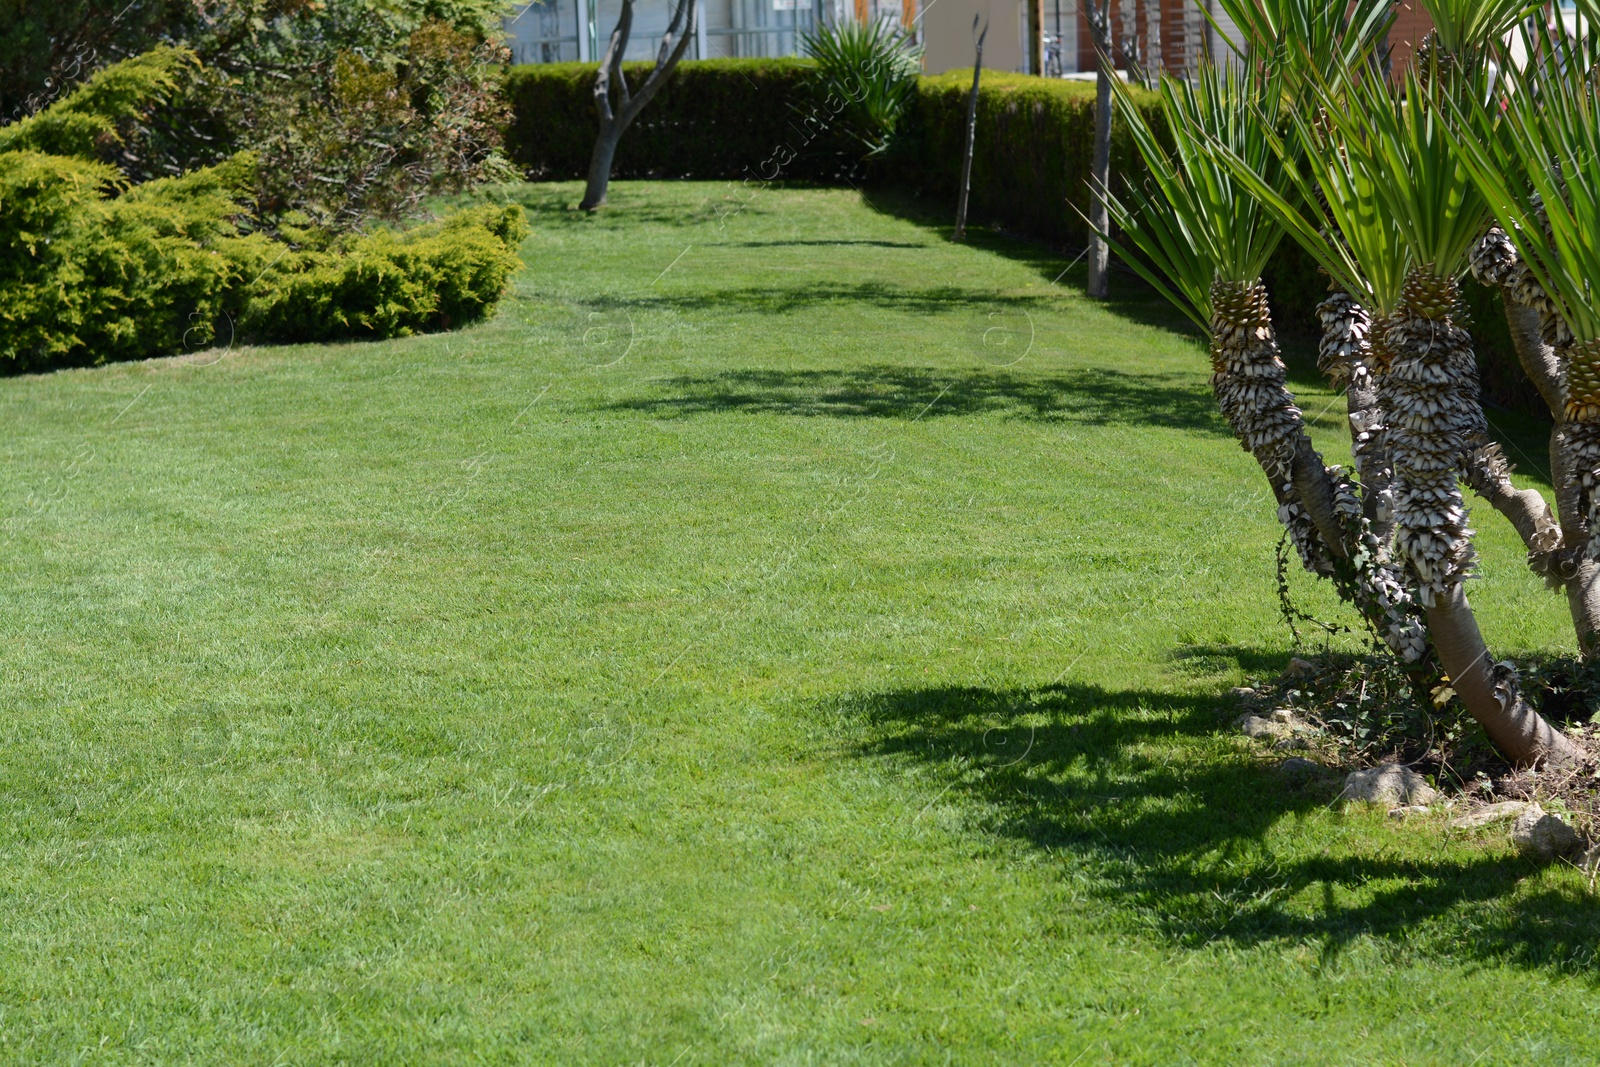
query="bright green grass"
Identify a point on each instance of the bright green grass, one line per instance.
(716, 658)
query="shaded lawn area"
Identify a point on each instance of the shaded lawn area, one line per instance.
(778, 637)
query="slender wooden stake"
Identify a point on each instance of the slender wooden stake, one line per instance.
(972, 133)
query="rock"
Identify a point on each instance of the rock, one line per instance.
(1299, 769)
(1299, 668)
(1390, 784)
(1408, 809)
(1506, 809)
(1542, 834)
(1283, 715)
(1261, 729)
(1243, 692)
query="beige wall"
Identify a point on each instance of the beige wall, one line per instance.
(947, 34)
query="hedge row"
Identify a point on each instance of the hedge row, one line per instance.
(733, 119)
(715, 118)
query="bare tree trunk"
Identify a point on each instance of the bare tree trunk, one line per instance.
(616, 104)
(1098, 13)
(1428, 375)
(960, 233)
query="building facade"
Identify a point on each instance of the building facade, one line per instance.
(1030, 36)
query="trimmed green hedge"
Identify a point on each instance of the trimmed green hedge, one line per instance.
(716, 118)
(1032, 154)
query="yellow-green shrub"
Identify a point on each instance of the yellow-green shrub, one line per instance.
(91, 272)
(388, 284)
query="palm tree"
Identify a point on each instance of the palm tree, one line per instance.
(1302, 42)
(1534, 160)
(1407, 215)
(1207, 238)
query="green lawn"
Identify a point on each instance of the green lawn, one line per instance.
(778, 637)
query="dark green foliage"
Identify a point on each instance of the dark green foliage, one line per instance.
(1035, 142)
(717, 118)
(47, 47)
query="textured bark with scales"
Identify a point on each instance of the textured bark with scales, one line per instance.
(1318, 504)
(1546, 351)
(1429, 391)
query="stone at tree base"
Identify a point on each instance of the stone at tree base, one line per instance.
(1299, 668)
(1300, 769)
(1390, 784)
(1261, 729)
(1542, 834)
(1408, 809)
(1506, 809)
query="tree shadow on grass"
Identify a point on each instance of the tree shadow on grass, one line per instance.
(1091, 396)
(788, 299)
(1172, 818)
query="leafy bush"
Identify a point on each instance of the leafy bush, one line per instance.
(96, 118)
(389, 284)
(356, 109)
(84, 276)
(47, 49)
(868, 71)
(94, 268)
(349, 130)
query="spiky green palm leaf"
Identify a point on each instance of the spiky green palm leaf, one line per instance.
(1193, 221)
(872, 68)
(1467, 27)
(1308, 37)
(1395, 191)
(1537, 161)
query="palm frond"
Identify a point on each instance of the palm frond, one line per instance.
(1537, 163)
(1466, 26)
(1308, 37)
(1193, 221)
(872, 68)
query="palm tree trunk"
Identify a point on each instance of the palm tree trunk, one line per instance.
(1344, 357)
(1543, 348)
(1428, 383)
(1318, 504)
(1380, 587)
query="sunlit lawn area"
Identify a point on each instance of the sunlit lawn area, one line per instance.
(776, 637)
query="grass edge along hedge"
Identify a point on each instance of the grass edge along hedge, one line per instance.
(735, 119)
